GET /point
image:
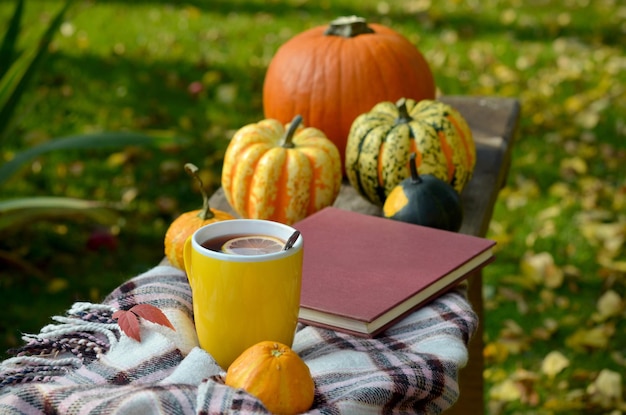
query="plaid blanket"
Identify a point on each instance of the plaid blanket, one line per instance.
(82, 363)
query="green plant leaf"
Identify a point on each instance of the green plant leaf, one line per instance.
(85, 141)
(13, 74)
(7, 49)
(19, 212)
(10, 103)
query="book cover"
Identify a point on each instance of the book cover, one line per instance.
(362, 273)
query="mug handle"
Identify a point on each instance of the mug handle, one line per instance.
(187, 259)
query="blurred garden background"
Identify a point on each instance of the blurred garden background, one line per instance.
(191, 73)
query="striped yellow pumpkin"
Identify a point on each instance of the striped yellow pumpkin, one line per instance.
(381, 141)
(280, 174)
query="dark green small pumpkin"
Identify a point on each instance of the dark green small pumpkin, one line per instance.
(425, 200)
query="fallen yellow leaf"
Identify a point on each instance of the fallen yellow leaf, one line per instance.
(597, 337)
(554, 363)
(610, 304)
(542, 269)
(506, 391)
(606, 390)
(495, 352)
(575, 165)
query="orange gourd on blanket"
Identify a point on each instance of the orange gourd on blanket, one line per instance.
(187, 223)
(276, 375)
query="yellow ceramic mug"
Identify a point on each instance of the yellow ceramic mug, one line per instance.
(240, 300)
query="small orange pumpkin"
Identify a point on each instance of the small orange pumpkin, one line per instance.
(276, 375)
(331, 74)
(279, 175)
(187, 223)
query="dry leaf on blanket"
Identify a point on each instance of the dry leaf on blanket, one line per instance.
(128, 320)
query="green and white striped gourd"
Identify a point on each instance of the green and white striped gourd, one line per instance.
(381, 141)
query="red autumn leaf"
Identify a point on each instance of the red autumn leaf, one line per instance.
(153, 314)
(129, 323)
(128, 320)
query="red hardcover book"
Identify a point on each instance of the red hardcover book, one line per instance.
(363, 273)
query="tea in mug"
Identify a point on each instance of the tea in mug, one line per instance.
(244, 244)
(241, 299)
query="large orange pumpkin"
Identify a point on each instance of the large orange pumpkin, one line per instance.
(186, 224)
(284, 176)
(276, 375)
(330, 75)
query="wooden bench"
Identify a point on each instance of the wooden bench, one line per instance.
(493, 122)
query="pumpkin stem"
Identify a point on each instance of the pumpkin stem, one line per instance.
(415, 177)
(403, 112)
(276, 352)
(348, 26)
(205, 213)
(286, 141)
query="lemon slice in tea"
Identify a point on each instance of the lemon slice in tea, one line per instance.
(253, 245)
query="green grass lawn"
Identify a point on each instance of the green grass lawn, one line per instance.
(554, 299)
